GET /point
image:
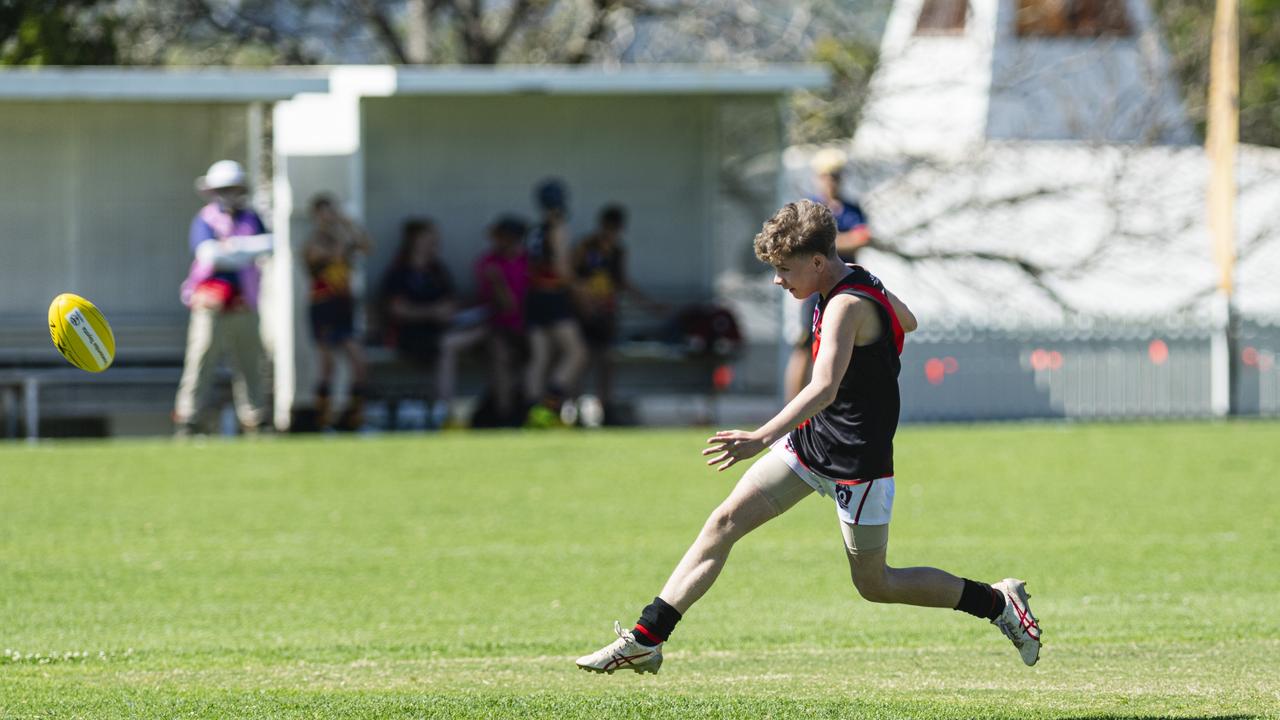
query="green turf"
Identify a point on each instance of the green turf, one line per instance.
(459, 575)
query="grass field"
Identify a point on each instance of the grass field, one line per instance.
(458, 575)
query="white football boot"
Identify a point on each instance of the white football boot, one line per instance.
(623, 654)
(1016, 622)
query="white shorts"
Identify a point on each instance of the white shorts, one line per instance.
(858, 502)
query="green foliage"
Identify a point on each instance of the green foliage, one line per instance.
(70, 32)
(459, 575)
(1260, 71)
(834, 113)
(1188, 24)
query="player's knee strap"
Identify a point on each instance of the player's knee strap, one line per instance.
(864, 538)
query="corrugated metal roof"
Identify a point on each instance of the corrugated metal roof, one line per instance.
(580, 80)
(136, 84)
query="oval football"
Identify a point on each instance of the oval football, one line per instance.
(81, 333)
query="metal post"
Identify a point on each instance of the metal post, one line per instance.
(1221, 138)
(31, 403)
(283, 314)
(253, 150)
(786, 310)
(9, 404)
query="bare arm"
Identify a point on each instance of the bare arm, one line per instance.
(844, 316)
(558, 236)
(848, 242)
(636, 293)
(234, 252)
(501, 293)
(407, 311)
(906, 318)
(361, 241)
(316, 251)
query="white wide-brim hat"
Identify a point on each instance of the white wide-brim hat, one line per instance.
(222, 174)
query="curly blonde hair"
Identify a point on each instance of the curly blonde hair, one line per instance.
(799, 227)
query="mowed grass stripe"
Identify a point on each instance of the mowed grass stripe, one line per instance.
(458, 575)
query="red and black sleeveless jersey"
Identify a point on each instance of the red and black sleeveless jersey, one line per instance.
(852, 438)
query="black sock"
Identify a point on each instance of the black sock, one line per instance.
(980, 600)
(656, 622)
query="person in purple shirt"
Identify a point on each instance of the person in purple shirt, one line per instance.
(221, 290)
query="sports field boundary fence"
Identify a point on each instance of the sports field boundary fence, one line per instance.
(1089, 369)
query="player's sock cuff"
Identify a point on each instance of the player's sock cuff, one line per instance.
(658, 619)
(644, 637)
(980, 600)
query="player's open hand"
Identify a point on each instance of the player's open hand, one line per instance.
(730, 446)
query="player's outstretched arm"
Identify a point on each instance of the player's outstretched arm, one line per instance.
(906, 318)
(841, 321)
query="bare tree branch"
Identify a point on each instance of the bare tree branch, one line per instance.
(1265, 237)
(579, 50)
(1033, 272)
(373, 13)
(970, 205)
(515, 20)
(247, 30)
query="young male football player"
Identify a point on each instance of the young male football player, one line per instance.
(835, 437)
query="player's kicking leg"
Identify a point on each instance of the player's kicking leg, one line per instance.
(1004, 603)
(768, 489)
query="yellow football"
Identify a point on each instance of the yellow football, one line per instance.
(81, 333)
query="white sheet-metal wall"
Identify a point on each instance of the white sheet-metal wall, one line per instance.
(697, 174)
(96, 198)
(944, 94)
(1105, 89)
(464, 160)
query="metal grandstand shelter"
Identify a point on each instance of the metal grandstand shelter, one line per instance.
(693, 152)
(107, 157)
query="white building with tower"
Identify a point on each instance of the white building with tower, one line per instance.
(1033, 183)
(955, 74)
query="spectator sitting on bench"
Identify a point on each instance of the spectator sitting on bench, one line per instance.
(330, 254)
(502, 276)
(599, 266)
(418, 294)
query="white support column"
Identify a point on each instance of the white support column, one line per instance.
(254, 115)
(285, 310)
(74, 199)
(787, 307)
(31, 404)
(9, 406)
(316, 148)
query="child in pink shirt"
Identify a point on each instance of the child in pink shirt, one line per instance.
(502, 276)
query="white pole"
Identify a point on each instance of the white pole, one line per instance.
(1221, 138)
(1220, 356)
(282, 282)
(787, 309)
(254, 153)
(31, 403)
